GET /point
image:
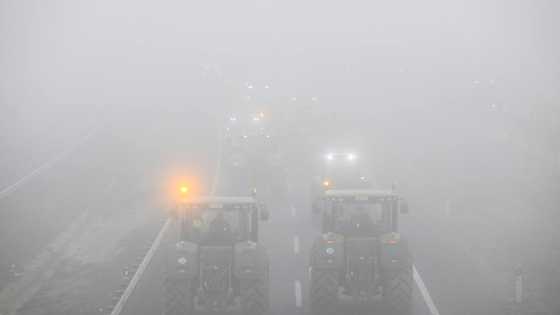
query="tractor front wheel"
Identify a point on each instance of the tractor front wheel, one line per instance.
(254, 297)
(398, 292)
(178, 297)
(323, 292)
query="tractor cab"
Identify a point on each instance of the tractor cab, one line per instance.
(361, 212)
(221, 220)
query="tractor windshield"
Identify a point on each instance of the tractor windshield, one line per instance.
(218, 226)
(358, 218)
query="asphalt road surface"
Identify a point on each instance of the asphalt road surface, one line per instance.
(288, 236)
(71, 234)
(108, 207)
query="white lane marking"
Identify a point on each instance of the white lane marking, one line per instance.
(297, 292)
(140, 271)
(13, 187)
(519, 289)
(296, 244)
(111, 184)
(294, 211)
(447, 207)
(424, 291)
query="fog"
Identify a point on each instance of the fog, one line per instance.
(107, 106)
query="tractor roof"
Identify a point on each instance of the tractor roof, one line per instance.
(346, 193)
(221, 202)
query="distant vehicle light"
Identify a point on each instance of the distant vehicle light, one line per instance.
(256, 118)
(350, 156)
(233, 119)
(330, 250)
(261, 115)
(326, 183)
(330, 156)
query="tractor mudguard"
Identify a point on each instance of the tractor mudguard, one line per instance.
(395, 255)
(328, 252)
(251, 261)
(183, 260)
(396, 275)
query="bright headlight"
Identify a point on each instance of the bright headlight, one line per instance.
(351, 156)
(329, 156)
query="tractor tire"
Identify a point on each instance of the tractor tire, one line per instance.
(255, 299)
(398, 292)
(323, 292)
(178, 297)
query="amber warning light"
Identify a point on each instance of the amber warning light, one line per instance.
(184, 190)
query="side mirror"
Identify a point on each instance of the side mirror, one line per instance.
(264, 215)
(403, 206)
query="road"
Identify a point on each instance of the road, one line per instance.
(287, 235)
(106, 192)
(74, 229)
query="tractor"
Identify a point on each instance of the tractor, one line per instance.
(217, 263)
(360, 257)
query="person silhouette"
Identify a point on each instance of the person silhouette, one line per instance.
(220, 230)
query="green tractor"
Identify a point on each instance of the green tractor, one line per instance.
(360, 258)
(217, 264)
